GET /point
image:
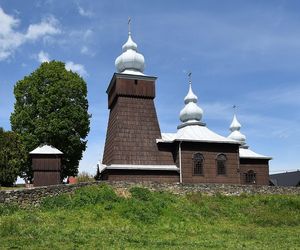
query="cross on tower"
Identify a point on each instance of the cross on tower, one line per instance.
(234, 108)
(129, 22)
(190, 77)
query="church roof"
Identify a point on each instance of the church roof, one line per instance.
(195, 133)
(191, 128)
(46, 149)
(247, 153)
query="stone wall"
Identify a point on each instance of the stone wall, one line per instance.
(33, 196)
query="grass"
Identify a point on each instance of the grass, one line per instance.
(18, 186)
(96, 217)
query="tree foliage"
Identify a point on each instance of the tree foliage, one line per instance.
(51, 107)
(12, 157)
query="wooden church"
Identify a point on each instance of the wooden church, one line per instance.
(136, 149)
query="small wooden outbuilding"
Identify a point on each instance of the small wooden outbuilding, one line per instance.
(46, 165)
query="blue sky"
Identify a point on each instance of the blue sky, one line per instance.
(245, 53)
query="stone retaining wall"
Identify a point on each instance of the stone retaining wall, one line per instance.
(32, 196)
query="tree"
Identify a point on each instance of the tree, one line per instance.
(51, 107)
(12, 157)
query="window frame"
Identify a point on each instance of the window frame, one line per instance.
(250, 177)
(224, 160)
(195, 161)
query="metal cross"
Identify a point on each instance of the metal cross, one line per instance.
(234, 108)
(129, 28)
(190, 77)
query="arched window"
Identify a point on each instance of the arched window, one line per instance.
(250, 177)
(198, 164)
(221, 164)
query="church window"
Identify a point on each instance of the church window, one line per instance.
(221, 164)
(198, 164)
(250, 177)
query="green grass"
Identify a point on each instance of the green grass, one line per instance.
(96, 218)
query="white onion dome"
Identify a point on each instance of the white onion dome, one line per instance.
(191, 111)
(236, 135)
(130, 61)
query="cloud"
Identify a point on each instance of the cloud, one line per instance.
(48, 26)
(43, 57)
(11, 39)
(79, 68)
(86, 51)
(84, 13)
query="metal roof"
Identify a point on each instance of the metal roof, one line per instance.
(195, 133)
(139, 167)
(46, 149)
(247, 153)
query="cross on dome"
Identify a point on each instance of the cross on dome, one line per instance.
(130, 61)
(191, 113)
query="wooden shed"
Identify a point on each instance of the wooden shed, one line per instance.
(46, 165)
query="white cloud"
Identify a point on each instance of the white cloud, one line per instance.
(86, 51)
(85, 13)
(43, 57)
(11, 39)
(48, 26)
(79, 68)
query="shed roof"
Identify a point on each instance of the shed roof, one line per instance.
(46, 149)
(286, 179)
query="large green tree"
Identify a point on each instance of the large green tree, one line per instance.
(51, 107)
(12, 157)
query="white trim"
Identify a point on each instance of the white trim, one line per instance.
(139, 167)
(180, 168)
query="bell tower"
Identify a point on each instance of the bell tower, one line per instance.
(133, 125)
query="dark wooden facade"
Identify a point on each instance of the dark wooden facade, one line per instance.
(133, 125)
(258, 167)
(131, 140)
(141, 175)
(46, 169)
(210, 152)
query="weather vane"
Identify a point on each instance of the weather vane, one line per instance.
(190, 77)
(129, 21)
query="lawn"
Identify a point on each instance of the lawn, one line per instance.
(96, 217)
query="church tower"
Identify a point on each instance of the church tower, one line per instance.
(133, 125)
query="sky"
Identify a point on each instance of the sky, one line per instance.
(243, 53)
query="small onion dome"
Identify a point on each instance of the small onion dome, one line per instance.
(130, 61)
(191, 112)
(236, 135)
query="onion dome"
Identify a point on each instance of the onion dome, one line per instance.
(130, 61)
(236, 135)
(191, 112)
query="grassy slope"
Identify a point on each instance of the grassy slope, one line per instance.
(96, 218)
